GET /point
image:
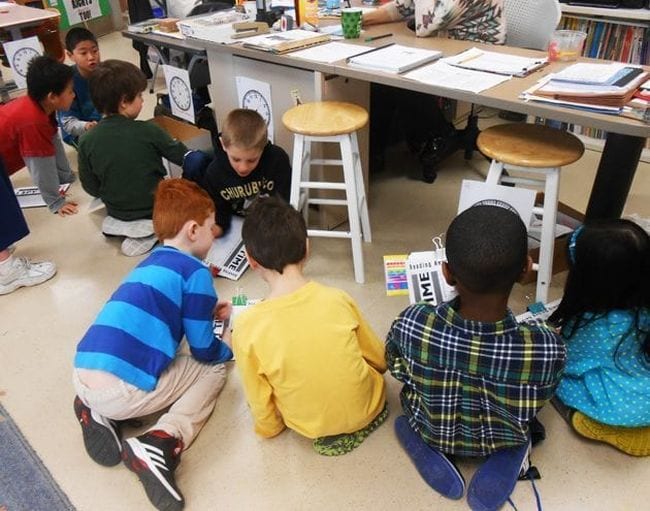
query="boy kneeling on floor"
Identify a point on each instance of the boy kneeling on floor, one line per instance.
(127, 365)
(474, 379)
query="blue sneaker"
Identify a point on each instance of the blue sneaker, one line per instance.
(495, 479)
(435, 468)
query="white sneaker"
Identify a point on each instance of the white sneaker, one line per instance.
(133, 229)
(24, 273)
(137, 246)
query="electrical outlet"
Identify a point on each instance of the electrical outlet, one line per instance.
(295, 95)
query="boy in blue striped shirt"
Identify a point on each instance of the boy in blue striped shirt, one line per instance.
(127, 364)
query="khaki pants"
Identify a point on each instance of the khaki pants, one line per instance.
(190, 387)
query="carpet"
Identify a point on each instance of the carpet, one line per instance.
(25, 483)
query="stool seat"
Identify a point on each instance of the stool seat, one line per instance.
(325, 118)
(530, 145)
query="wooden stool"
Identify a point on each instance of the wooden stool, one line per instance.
(541, 151)
(331, 122)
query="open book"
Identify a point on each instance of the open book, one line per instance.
(284, 42)
(393, 58)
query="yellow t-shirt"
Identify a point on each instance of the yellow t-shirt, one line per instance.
(310, 361)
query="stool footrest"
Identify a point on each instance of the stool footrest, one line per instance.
(329, 202)
(327, 161)
(324, 233)
(324, 185)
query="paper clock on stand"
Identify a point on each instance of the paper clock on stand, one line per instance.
(256, 95)
(180, 92)
(19, 54)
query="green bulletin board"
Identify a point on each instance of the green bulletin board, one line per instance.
(74, 12)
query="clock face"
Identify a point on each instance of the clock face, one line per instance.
(254, 100)
(180, 93)
(22, 58)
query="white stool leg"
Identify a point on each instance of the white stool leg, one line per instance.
(495, 173)
(353, 206)
(361, 190)
(547, 241)
(296, 170)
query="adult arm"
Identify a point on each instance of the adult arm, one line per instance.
(390, 12)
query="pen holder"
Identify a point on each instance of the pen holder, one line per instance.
(351, 22)
(566, 45)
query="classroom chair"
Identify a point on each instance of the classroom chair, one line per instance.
(331, 122)
(538, 153)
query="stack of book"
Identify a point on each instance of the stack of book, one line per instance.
(603, 87)
(393, 58)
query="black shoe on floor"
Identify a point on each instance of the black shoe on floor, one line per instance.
(101, 435)
(153, 457)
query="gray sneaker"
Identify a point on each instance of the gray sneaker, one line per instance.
(25, 273)
(133, 229)
(137, 246)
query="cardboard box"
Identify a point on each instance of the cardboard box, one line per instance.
(567, 216)
(190, 135)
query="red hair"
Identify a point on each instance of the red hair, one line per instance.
(176, 202)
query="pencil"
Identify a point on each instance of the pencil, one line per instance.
(374, 38)
(369, 51)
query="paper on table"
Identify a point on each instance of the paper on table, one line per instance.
(493, 62)
(444, 75)
(173, 35)
(330, 52)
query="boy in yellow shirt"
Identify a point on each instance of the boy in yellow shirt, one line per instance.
(308, 359)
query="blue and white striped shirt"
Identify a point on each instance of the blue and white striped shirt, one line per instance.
(137, 333)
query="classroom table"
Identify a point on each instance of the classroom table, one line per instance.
(319, 81)
(13, 18)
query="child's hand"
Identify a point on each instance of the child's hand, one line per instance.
(69, 208)
(223, 310)
(90, 125)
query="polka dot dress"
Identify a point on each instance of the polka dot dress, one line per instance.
(609, 391)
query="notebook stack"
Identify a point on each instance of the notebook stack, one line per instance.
(600, 85)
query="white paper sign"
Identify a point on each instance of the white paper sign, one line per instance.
(521, 199)
(180, 92)
(19, 54)
(79, 11)
(256, 95)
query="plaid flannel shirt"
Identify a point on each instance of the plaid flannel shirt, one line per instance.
(470, 388)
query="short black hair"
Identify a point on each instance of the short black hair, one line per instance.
(487, 249)
(45, 75)
(274, 233)
(77, 35)
(113, 81)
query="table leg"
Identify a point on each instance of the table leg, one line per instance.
(616, 170)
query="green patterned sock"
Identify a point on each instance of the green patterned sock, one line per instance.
(337, 445)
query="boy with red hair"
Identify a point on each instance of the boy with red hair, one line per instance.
(127, 365)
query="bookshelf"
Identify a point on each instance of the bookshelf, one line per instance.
(612, 34)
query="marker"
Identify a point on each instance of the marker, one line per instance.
(374, 38)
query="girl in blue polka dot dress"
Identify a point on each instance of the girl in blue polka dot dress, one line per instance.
(604, 317)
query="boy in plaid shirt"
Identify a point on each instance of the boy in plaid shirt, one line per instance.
(473, 377)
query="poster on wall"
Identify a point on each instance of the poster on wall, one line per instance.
(180, 92)
(74, 12)
(256, 95)
(19, 54)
